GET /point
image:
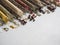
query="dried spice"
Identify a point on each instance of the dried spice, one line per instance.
(4, 17)
(6, 29)
(12, 26)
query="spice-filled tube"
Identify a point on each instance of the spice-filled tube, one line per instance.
(13, 7)
(56, 2)
(7, 13)
(4, 17)
(38, 2)
(39, 6)
(14, 15)
(24, 5)
(49, 5)
(33, 7)
(18, 5)
(1, 22)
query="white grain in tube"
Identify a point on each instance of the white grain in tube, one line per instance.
(14, 8)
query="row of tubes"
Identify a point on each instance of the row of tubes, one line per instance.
(16, 9)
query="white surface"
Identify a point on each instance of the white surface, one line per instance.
(44, 31)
